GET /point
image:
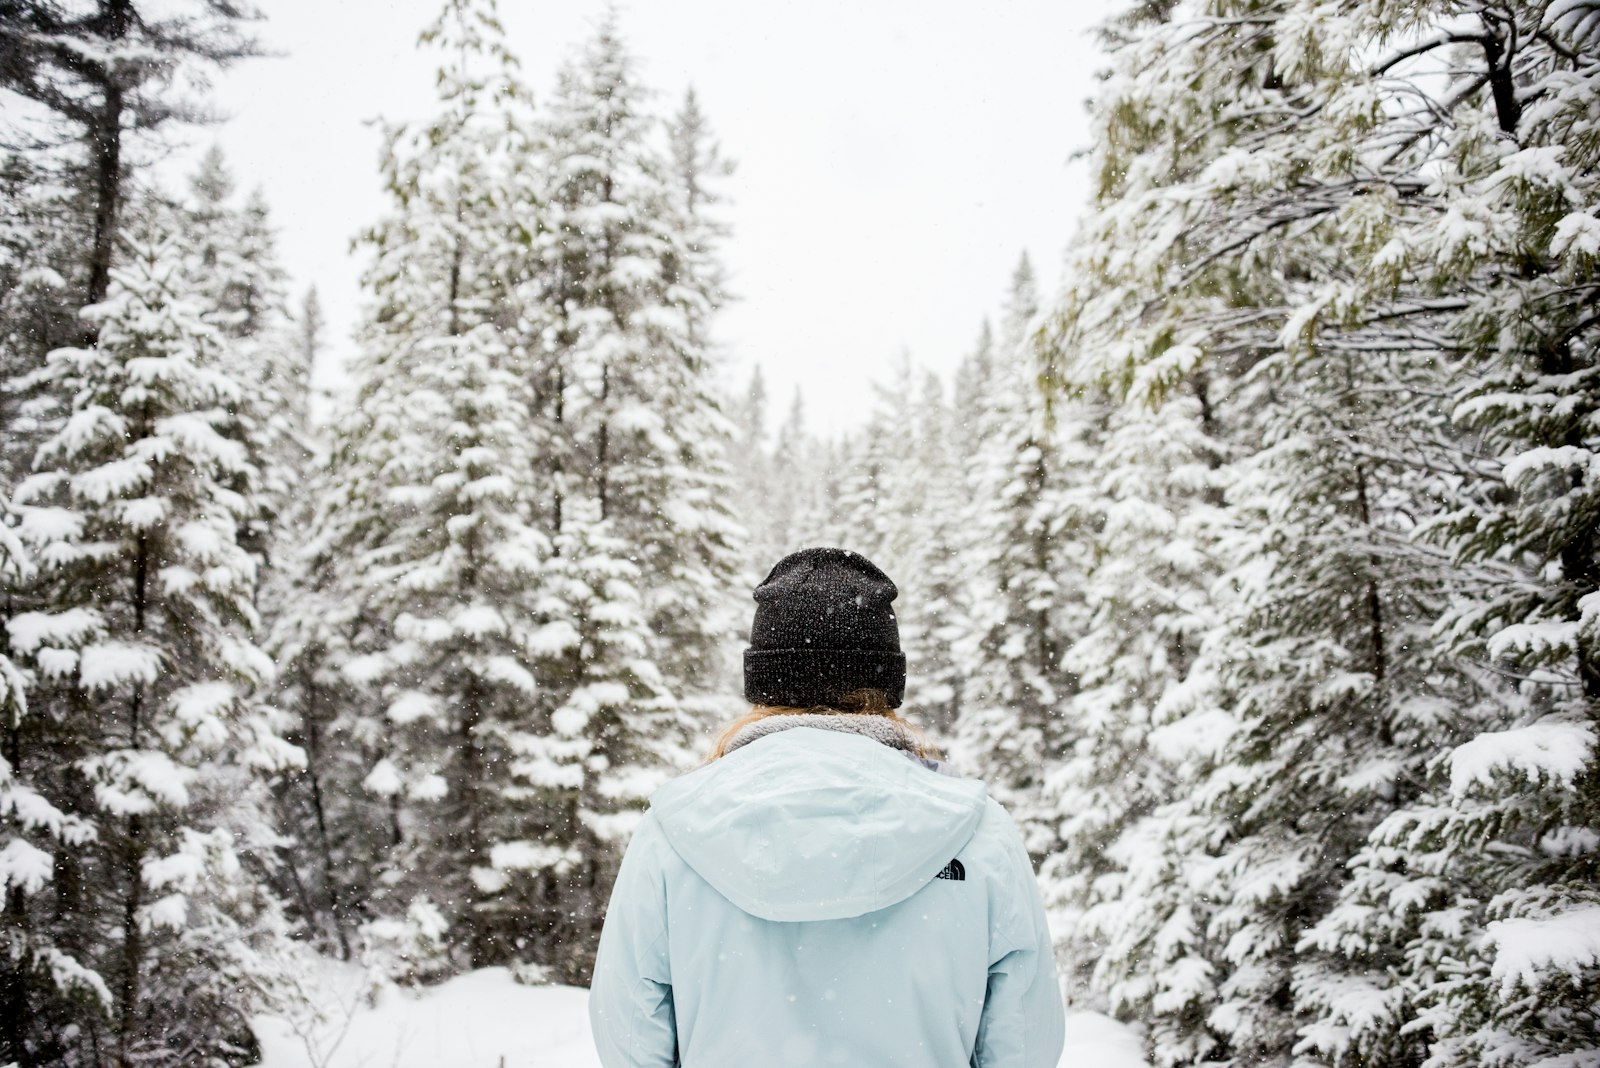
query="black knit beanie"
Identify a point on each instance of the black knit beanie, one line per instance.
(823, 629)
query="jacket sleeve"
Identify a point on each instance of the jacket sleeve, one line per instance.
(630, 997)
(1023, 1024)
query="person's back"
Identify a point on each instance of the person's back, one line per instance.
(822, 896)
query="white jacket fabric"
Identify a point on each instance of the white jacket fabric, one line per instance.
(815, 898)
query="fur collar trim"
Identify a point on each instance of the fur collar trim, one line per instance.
(878, 728)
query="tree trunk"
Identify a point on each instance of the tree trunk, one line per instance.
(132, 944)
(105, 159)
(14, 971)
(134, 846)
(480, 935)
(313, 739)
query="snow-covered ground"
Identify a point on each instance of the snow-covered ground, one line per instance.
(484, 1019)
(487, 1020)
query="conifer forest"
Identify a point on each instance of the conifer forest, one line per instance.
(1255, 567)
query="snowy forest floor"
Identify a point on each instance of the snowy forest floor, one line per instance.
(486, 1019)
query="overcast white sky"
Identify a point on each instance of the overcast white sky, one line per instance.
(894, 156)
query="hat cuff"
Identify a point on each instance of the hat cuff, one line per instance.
(811, 678)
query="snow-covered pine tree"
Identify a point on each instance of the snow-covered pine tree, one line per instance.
(104, 75)
(336, 831)
(648, 420)
(1143, 712)
(105, 70)
(235, 258)
(455, 582)
(704, 553)
(1289, 181)
(43, 232)
(1342, 696)
(424, 531)
(937, 510)
(210, 229)
(1192, 90)
(901, 501)
(778, 482)
(44, 989)
(697, 165)
(873, 482)
(1496, 864)
(99, 75)
(972, 399)
(234, 266)
(647, 545)
(310, 325)
(953, 582)
(1027, 565)
(609, 728)
(308, 616)
(146, 729)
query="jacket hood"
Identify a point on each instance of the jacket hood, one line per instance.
(808, 824)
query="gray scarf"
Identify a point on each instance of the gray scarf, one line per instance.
(879, 728)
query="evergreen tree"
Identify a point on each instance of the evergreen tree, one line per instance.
(624, 381)
(105, 70)
(336, 830)
(872, 491)
(1027, 560)
(42, 235)
(625, 290)
(900, 501)
(233, 265)
(1497, 856)
(601, 750)
(1144, 706)
(938, 605)
(1340, 692)
(310, 323)
(762, 502)
(1328, 268)
(799, 502)
(43, 987)
(423, 529)
(973, 394)
(697, 163)
(146, 730)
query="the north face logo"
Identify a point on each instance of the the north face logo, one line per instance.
(952, 870)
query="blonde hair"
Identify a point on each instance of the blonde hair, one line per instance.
(857, 702)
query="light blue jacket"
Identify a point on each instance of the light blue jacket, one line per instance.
(816, 898)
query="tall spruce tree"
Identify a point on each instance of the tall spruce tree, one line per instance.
(1308, 195)
(146, 732)
(758, 502)
(1143, 710)
(697, 165)
(43, 232)
(973, 396)
(412, 700)
(1496, 856)
(805, 476)
(234, 268)
(647, 546)
(1028, 560)
(104, 77)
(628, 279)
(104, 69)
(938, 605)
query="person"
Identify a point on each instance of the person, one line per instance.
(823, 891)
